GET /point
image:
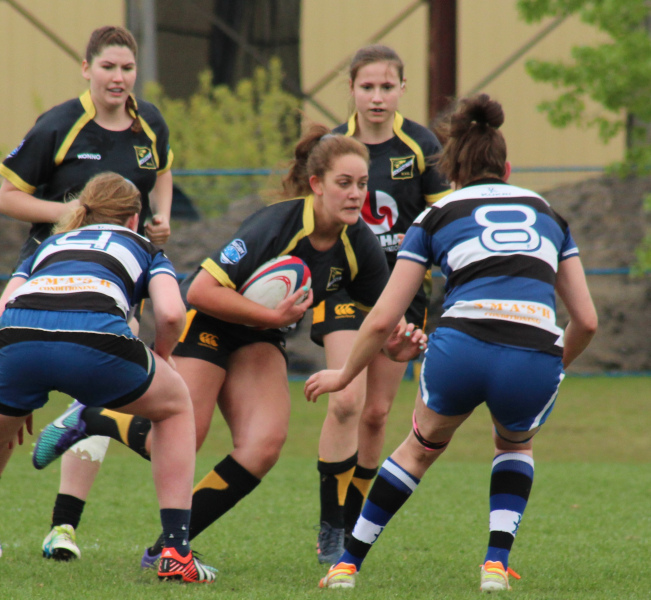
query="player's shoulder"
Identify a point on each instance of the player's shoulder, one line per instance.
(148, 110)
(60, 116)
(422, 135)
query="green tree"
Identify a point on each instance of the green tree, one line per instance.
(615, 74)
(252, 126)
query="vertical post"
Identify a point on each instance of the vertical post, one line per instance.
(141, 20)
(442, 55)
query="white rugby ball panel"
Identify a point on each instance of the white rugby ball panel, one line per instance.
(275, 280)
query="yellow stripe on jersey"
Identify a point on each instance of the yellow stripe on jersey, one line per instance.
(308, 225)
(217, 272)
(189, 317)
(415, 146)
(71, 136)
(152, 136)
(432, 198)
(350, 254)
(18, 181)
(352, 123)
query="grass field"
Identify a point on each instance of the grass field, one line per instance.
(586, 533)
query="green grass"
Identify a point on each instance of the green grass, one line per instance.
(586, 533)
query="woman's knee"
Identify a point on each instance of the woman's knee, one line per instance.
(345, 405)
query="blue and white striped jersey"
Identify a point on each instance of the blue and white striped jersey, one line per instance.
(98, 268)
(498, 247)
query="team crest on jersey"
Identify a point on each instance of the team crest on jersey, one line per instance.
(233, 253)
(336, 275)
(145, 157)
(403, 168)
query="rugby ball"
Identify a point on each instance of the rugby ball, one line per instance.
(277, 279)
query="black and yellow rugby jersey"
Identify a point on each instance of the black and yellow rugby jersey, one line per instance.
(401, 182)
(355, 263)
(66, 148)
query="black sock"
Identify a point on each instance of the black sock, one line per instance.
(127, 429)
(176, 527)
(215, 495)
(335, 479)
(67, 510)
(357, 492)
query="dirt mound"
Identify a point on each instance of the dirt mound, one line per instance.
(607, 221)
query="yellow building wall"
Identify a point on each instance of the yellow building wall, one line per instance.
(36, 74)
(488, 33)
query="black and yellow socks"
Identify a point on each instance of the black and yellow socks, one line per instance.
(335, 480)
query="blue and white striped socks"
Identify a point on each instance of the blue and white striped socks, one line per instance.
(391, 489)
(511, 481)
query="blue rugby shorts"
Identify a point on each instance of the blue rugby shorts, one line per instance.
(460, 372)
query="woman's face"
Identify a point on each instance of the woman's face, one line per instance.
(112, 75)
(376, 90)
(342, 189)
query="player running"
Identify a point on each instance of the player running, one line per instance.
(231, 352)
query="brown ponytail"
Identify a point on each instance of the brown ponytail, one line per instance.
(106, 198)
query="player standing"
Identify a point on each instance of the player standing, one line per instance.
(401, 185)
(504, 252)
(65, 328)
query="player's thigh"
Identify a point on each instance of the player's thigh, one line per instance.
(255, 397)
(166, 396)
(204, 381)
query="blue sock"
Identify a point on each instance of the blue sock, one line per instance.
(176, 529)
(391, 489)
(511, 481)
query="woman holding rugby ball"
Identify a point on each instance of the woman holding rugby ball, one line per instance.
(231, 353)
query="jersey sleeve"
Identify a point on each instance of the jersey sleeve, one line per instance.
(415, 247)
(161, 265)
(372, 269)
(31, 163)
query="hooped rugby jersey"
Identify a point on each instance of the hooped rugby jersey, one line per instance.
(66, 148)
(355, 263)
(401, 180)
(98, 268)
(499, 247)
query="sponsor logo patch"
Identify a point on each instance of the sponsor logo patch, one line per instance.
(403, 168)
(208, 340)
(233, 253)
(145, 157)
(336, 275)
(89, 156)
(344, 311)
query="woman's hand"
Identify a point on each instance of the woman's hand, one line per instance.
(405, 343)
(158, 231)
(323, 382)
(292, 309)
